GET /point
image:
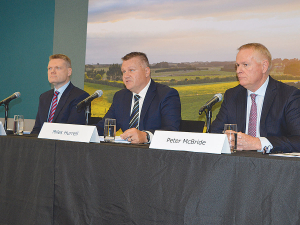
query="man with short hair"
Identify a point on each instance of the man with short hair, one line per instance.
(59, 104)
(144, 106)
(266, 111)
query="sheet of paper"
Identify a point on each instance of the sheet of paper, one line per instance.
(118, 139)
(292, 154)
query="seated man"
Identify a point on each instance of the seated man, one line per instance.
(266, 111)
(59, 104)
(144, 106)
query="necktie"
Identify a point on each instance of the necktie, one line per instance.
(252, 117)
(134, 117)
(53, 107)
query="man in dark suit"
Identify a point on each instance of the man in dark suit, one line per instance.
(60, 107)
(266, 111)
(158, 106)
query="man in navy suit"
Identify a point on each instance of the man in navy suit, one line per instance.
(158, 108)
(275, 127)
(59, 72)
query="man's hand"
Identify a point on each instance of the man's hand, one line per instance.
(247, 142)
(135, 136)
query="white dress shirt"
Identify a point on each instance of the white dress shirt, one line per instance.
(142, 95)
(260, 95)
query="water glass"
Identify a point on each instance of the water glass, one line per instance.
(18, 124)
(109, 130)
(231, 131)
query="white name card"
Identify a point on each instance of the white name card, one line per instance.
(2, 131)
(69, 132)
(189, 141)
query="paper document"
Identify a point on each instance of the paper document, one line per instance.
(118, 139)
(292, 154)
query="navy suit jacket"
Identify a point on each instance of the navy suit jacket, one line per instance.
(280, 116)
(161, 109)
(65, 112)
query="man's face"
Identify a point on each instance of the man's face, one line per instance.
(251, 69)
(135, 74)
(58, 72)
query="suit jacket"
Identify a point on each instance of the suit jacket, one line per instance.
(65, 112)
(161, 109)
(280, 116)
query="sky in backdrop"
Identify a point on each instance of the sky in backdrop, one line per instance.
(190, 30)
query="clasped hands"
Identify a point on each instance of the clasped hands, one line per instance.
(246, 142)
(134, 136)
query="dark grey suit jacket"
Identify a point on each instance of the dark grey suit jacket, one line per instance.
(66, 111)
(280, 117)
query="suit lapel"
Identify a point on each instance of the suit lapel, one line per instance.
(48, 101)
(147, 102)
(126, 109)
(268, 101)
(62, 101)
(241, 110)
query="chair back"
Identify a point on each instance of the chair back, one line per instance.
(192, 126)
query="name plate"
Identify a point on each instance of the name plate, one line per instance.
(189, 141)
(69, 132)
(2, 131)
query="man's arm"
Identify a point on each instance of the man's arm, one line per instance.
(77, 116)
(135, 136)
(110, 114)
(42, 110)
(37, 125)
(290, 140)
(217, 125)
(171, 111)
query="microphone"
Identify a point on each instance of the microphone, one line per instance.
(88, 100)
(211, 102)
(8, 99)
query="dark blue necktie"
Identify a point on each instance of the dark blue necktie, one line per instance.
(134, 117)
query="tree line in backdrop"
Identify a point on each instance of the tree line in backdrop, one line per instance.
(95, 73)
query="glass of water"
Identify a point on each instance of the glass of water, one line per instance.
(109, 130)
(231, 131)
(18, 124)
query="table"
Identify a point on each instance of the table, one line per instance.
(59, 182)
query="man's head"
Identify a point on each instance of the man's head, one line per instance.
(136, 71)
(59, 70)
(253, 65)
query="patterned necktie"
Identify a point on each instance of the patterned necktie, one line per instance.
(53, 107)
(134, 117)
(252, 117)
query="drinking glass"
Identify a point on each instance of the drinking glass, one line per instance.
(109, 130)
(18, 124)
(231, 131)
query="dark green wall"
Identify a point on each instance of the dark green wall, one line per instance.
(26, 41)
(31, 31)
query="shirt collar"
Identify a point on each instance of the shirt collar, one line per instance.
(143, 92)
(62, 89)
(262, 90)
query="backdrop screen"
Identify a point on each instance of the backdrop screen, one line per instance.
(191, 44)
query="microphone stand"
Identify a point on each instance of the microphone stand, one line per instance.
(6, 116)
(87, 111)
(5, 121)
(208, 114)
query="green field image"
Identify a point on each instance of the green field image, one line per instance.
(192, 96)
